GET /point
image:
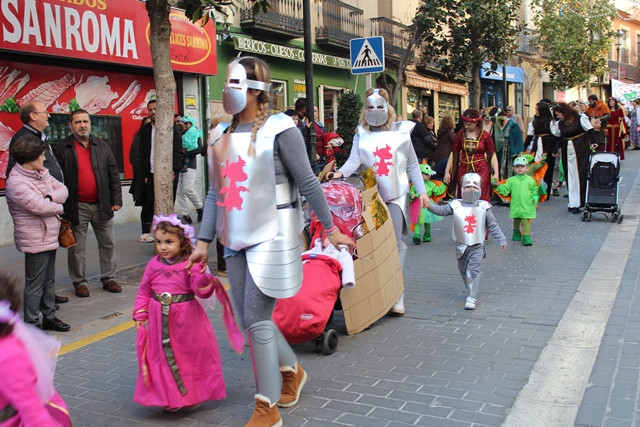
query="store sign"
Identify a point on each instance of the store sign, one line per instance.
(299, 85)
(108, 96)
(115, 31)
(190, 101)
(263, 48)
(514, 74)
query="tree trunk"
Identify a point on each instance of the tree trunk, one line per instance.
(402, 65)
(477, 88)
(160, 33)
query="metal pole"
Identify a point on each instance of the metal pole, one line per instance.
(505, 89)
(308, 77)
(618, 63)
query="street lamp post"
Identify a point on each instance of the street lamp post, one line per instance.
(619, 35)
(310, 137)
(505, 87)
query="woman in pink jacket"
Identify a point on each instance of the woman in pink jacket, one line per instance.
(35, 201)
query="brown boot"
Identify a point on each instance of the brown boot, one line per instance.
(265, 414)
(293, 380)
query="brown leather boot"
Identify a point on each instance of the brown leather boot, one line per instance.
(293, 379)
(265, 414)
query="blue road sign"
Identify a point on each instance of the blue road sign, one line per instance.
(367, 55)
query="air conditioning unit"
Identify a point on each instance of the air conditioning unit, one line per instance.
(605, 78)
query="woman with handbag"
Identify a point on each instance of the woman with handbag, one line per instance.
(35, 202)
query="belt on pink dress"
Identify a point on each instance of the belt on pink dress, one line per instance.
(7, 412)
(166, 299)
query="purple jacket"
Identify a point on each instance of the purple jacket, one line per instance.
(35, 221)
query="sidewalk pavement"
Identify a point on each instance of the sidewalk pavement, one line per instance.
(535, 352)
(102, 310)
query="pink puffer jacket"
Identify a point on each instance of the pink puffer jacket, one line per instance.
(35, 223)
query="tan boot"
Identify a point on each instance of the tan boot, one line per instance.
(265, 414)
(293, 379)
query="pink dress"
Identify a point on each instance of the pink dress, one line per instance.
(192, 339)
(18, 379)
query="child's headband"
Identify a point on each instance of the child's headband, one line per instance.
(6, 314)
(189, 231)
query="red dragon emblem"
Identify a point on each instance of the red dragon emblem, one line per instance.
(471, 225)
(382, 165)
(235, 173)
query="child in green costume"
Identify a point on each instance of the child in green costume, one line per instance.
(523, 190)
(420, 217)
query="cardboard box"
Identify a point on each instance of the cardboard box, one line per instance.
(379, 281)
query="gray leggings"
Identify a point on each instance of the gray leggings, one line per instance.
(471, 261)
(251, 304)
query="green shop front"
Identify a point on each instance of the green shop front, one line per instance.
(331, 76)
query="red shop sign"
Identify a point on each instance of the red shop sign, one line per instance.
(115, 31)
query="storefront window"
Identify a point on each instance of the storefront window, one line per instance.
(449, 105)
(413, 100)
(108, 128)
(278, 94)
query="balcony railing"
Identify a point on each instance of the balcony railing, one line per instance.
(282, 21)
(527, 46)
(338, 22)
(624, 56)
(526, 43)
(395, 34)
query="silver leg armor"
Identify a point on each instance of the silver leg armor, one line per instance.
(473, 286)
(286, 356)
(263, 342)
(466, 279)
(398, 307)
(402, 252)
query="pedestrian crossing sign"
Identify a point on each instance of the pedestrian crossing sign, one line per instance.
(367, 55)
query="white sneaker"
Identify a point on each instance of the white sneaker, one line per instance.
(146, 238)
(398, 307)
(470, 304)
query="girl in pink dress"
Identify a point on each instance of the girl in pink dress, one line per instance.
(178, 356)
(27, 365)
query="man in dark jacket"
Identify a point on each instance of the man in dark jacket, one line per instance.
(35, 119)
(93, 181)
(147, 198)
(420, 138)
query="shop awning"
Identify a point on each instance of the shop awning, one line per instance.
(418, 80)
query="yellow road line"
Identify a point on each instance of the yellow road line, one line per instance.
(97, 337)
(112, 331)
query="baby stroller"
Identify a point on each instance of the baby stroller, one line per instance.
(305, 316)
(602, 187)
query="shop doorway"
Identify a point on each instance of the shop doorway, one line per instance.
(328, 108)
(427, 103)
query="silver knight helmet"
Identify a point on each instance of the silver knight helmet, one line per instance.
(234, 94)
(471, 187)
(377, 109)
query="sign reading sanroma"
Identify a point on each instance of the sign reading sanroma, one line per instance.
(263, 48)
(115, 31)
